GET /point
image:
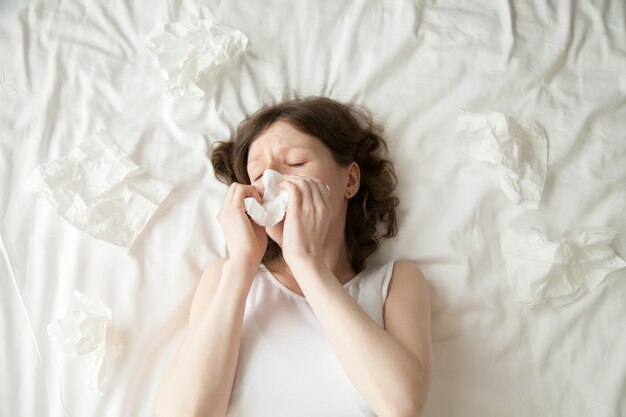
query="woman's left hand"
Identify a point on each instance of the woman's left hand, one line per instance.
(306, 220)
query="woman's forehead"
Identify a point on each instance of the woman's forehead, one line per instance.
(280, 137)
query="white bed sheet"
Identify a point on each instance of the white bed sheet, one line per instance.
(70, 67)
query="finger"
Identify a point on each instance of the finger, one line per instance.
(229, 194)
(257, 195)
(295, 194)
(323, 190)
(319, 192)
(243, 191)
(315, 179)
(303, 182)
(305, 186)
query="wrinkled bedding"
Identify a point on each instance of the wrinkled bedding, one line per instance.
(71, 68)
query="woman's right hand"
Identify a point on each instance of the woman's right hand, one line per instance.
(246, 240)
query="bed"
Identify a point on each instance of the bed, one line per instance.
(69, 69)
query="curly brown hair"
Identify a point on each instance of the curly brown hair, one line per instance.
(351, 134)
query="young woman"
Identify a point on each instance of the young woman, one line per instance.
(293, 323)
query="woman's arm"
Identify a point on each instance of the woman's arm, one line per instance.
(200, 380)
(390, 367)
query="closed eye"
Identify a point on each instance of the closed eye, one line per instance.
(298, 164)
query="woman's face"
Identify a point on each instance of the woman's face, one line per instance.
(285, 149)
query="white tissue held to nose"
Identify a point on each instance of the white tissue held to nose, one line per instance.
(275, 201)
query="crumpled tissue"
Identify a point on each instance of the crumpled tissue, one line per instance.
(98, 189)
(191, 54)
(520, 154)
(275, 201)
(88, 331)
(557, 273)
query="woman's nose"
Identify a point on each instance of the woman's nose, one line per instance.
(271, 167)
(258, 184)
(274, 167)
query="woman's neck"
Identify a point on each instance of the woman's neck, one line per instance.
(335, 260)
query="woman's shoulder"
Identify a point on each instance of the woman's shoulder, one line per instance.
(396, 267)
(407, 282)
(406, 267)
(395, 275)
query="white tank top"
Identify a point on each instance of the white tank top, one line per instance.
(286, 365)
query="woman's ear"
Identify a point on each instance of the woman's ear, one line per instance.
(354, 180)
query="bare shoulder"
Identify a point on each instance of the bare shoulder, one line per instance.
(407, 309)
(408, 289)
(207, 285)
(407, 278)
(404, 268)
